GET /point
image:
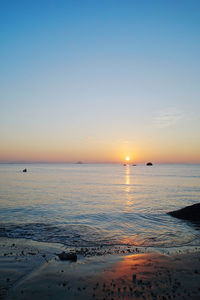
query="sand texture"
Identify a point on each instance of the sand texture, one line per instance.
(31, 270)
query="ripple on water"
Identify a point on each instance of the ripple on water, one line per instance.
(88, 205)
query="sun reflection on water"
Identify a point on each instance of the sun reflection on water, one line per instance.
(127, 179)
(129, 200)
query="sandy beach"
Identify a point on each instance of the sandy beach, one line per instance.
(100, 150)
(32, 270)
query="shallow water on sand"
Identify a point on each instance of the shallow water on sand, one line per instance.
(93, 205)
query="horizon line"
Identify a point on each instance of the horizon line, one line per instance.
(90, 163)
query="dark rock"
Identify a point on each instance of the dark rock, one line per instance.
(191, 213)
(25, 170)
(134, 277)
(68, 256)
(149, 164)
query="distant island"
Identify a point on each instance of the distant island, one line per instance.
(149, 164)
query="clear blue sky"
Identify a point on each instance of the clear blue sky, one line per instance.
(99, 80)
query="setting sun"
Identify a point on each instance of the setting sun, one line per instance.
(127, 158)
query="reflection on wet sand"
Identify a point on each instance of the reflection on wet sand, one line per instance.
(151, 276)
(139, 276)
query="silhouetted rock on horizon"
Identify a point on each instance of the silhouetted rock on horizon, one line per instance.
(149, 164)
(191, 213)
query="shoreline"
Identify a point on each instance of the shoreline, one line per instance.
(31, 270)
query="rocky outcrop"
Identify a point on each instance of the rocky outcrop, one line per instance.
(191, 213)
(149, 164)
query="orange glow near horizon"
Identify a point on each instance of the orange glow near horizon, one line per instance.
(93, 152)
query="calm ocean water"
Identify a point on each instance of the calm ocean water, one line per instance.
(93, 205)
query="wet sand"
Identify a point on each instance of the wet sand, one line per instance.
(32, 270)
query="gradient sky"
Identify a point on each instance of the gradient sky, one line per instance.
(99, 80)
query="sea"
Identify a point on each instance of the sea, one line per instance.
(99, 205)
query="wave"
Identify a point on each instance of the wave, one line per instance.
(68, 234)
(79, 235)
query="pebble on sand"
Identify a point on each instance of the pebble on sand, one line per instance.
(67, 256)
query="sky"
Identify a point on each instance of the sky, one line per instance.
(96, 81)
